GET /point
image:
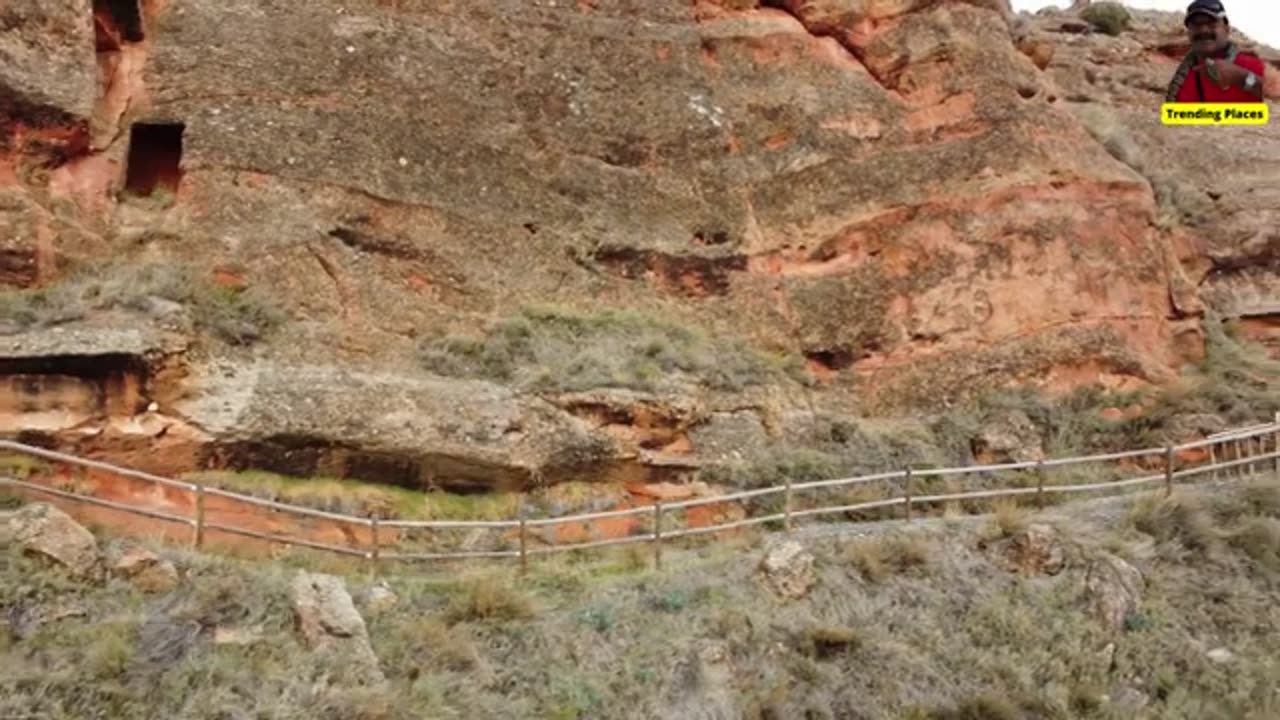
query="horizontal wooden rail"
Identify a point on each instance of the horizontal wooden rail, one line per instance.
(461, 555)
(282, 507)
(717, 499)
(628, 540)
(748, 522)
(1089, 487)
(1246, 454)
(284, 539)
(450, 524)
(1104, 457)
(869, 505)
(974, 495)
(43, 454)
(93, 500)
(605, 515)
(840, 482)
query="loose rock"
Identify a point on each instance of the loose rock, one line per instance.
(1036, 550)
(788, 569)
(328, 621)
(42, 529)
(1008, 437)
(146, 571)
(1114, 588)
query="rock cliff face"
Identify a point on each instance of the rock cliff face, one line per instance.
(903, 194)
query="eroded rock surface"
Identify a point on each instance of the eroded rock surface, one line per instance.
(44, 530)
(908, 196)
(787, 568)
(330, 624)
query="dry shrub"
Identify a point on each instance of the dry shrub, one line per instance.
(827, 641)
(1259, 538)
(877, 558)
(1009, 518)
(489, 599)
(1179, 520)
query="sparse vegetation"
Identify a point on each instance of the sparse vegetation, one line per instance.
(554, 348)
(234, 315)
(1009, 519)
(878, 558)
(362, 499)
(967, 639)
(489, 599)
(1177, 201)
(1111, 18)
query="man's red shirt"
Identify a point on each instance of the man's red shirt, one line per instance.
(1214, 94)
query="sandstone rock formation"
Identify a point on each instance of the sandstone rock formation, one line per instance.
(904, 195)
(44, 530)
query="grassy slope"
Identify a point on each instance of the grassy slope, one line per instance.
(925, 625)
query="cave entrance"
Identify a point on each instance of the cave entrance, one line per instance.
(116, 22)
(155, 159)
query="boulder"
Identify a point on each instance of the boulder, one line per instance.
(147, 571)
(1036, 550)
(44, 530)
(788, 569)
(1113, 588)
(1010, 436)
(329, 623)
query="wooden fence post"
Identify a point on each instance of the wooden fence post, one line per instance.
(375, 548)
(657, 534)
(1040, 483)
(1259, 448)
(1239, 456)
(524, 548)
(1213, 461)
(907, 483)
(197, 536)
(1276, 445)
(1168, 471)
(786, 507)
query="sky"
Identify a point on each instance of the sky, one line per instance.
(1259, 19)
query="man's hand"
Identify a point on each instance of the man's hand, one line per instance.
(1228, 74)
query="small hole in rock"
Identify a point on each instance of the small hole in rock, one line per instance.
(532, 228)
(1027, 92)
(155, 158)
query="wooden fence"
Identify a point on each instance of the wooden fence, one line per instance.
(1242, 451)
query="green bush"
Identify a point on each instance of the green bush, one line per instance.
(1108, 17)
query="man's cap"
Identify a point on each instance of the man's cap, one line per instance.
(1212, 8)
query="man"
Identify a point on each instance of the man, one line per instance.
(1215, 71)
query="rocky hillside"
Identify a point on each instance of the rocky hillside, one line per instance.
(492, 245)
(1124, 608)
